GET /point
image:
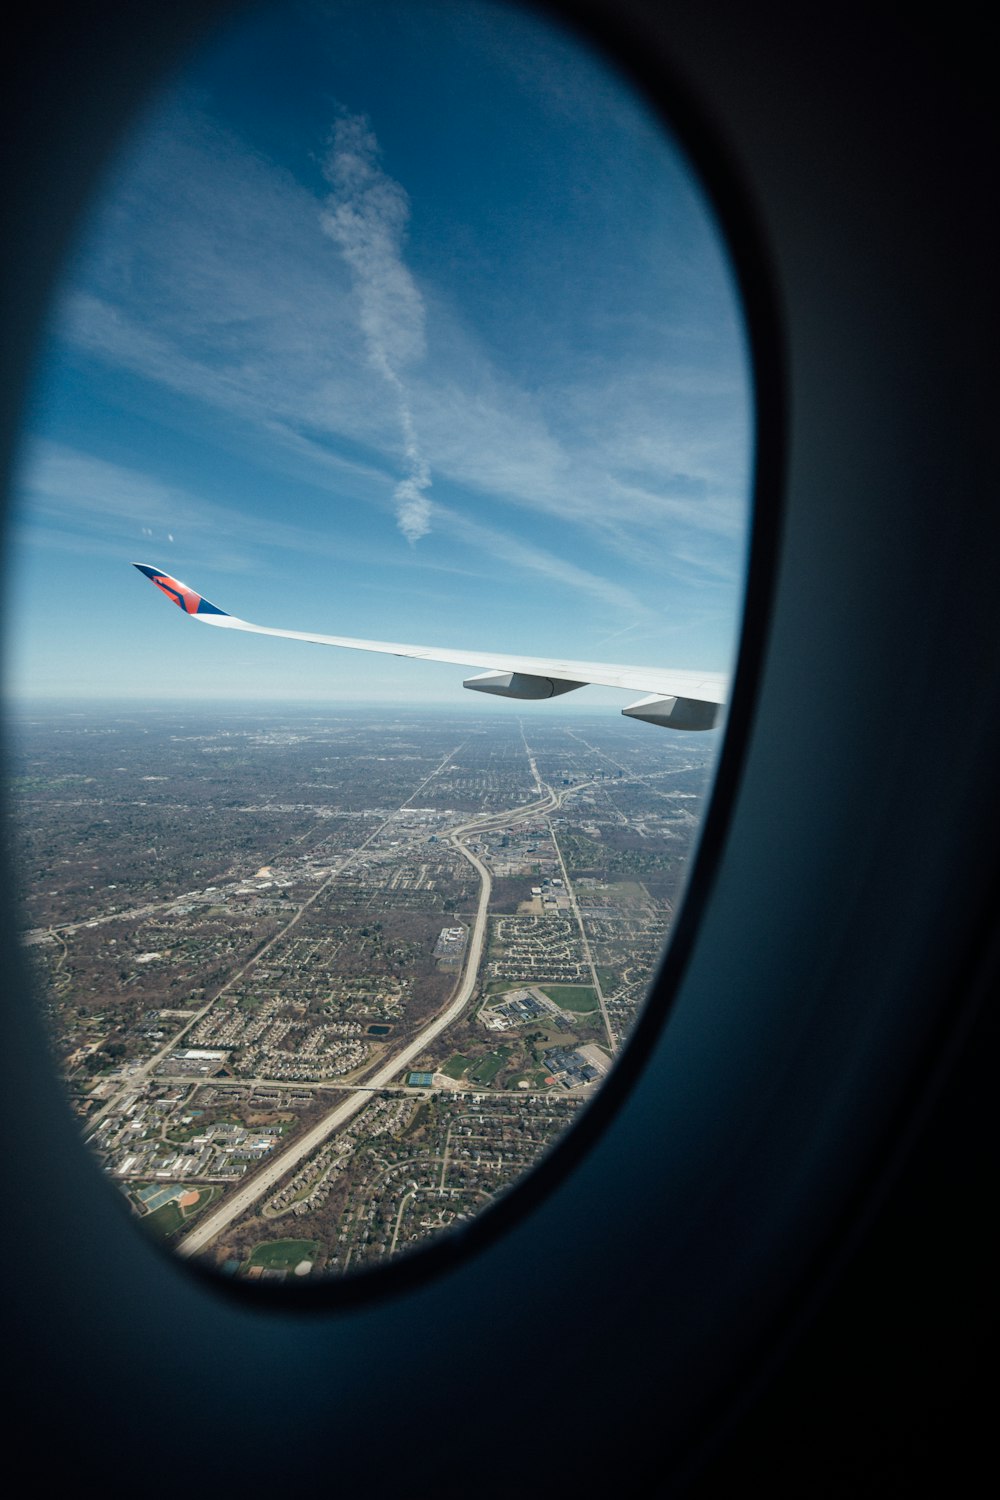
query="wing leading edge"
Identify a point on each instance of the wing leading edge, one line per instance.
(676, 699)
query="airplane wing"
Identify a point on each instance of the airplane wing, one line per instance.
(677, 699)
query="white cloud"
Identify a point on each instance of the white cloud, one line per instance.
(366, 216)
(79, 493)
(528, 558)
(242, 305)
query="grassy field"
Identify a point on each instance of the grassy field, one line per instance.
(578, 997)
(619, 893)
(164, 1221)
(488, 1067)
(552, 1036)
(283, 1255)
(456, 1066)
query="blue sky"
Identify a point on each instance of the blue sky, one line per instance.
(397, 321)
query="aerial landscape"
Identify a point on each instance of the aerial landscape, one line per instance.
(323, 985)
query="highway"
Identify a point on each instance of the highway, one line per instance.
(140, 1075)
(264, 1180)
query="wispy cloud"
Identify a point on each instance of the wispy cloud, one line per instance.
(289, 409)
(532, 559)
(78, 495)
(81, 499)
(366, 216)
(241, 306)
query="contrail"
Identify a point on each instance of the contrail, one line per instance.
(366, 215)
(616, 633)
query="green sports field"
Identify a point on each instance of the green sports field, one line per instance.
(578, 997)
(283, 1255)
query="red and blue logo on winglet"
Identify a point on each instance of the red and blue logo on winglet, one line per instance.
(179, 593)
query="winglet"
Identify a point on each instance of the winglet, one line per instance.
(179, 593)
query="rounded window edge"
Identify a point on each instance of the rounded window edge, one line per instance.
(630, 45)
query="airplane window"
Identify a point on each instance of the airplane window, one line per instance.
(393, 324)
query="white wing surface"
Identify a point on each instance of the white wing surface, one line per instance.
(677, 699)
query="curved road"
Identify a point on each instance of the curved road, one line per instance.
(268, 1176)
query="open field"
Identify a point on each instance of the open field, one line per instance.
(455, 1067)
(171, 1216)
(488, 1067)
(577, 997)
(283, 1255)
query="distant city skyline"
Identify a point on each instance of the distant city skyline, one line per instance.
(392, 321)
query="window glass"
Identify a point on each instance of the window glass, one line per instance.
(406, 323)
